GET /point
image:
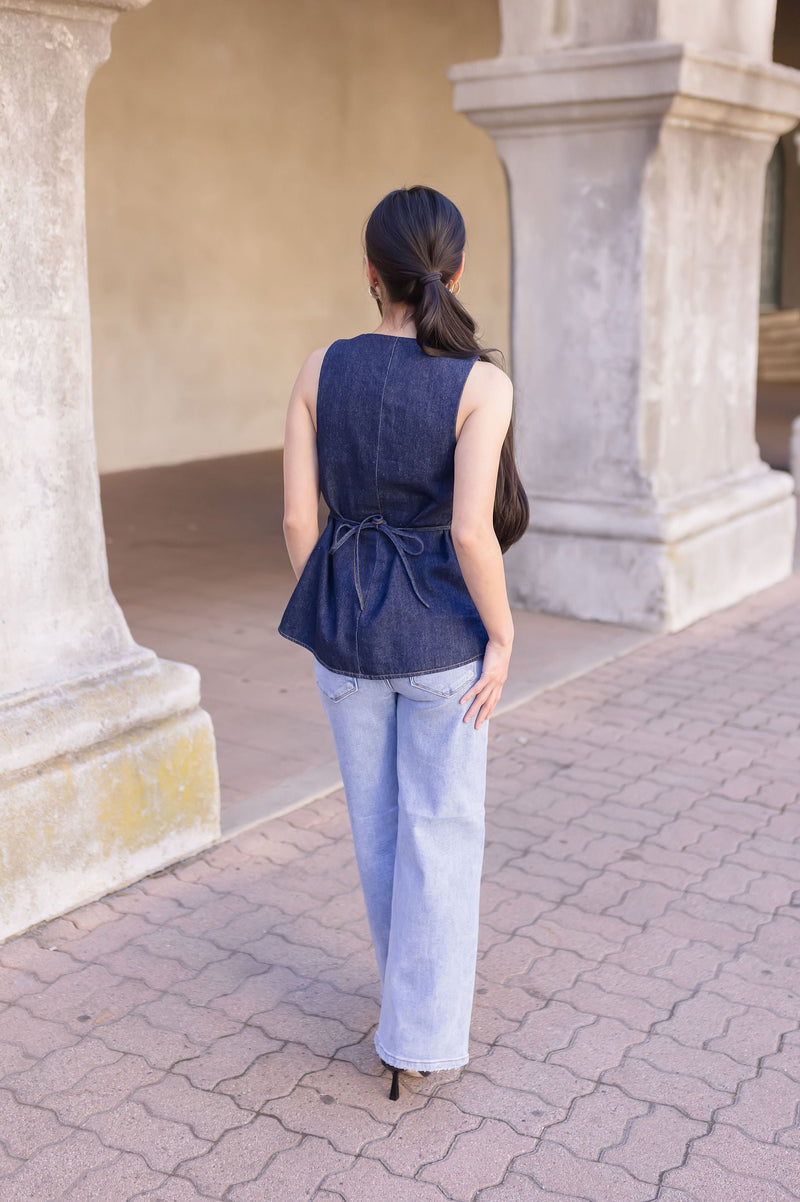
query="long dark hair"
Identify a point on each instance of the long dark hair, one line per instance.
(417, 232)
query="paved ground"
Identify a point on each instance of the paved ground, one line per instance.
(207, 1033)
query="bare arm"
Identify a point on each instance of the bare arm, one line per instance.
(487, 398)
(300, 466)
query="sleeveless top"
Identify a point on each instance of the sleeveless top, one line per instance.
(382, 593)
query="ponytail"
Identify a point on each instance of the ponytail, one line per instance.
(415, 240)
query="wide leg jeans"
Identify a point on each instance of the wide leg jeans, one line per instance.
(414, 774)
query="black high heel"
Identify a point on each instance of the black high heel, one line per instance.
(394, 1091)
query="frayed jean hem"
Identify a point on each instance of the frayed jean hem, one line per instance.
(420, 1065)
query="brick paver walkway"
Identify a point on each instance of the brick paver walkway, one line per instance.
(207, 1032)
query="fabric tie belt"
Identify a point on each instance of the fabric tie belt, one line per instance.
(399, 536)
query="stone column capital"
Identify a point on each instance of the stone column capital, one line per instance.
(639, 82)
(105, 11)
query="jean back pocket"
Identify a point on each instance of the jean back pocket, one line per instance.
(448, 681)
(335, 685)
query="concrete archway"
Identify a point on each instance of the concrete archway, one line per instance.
(230, 166)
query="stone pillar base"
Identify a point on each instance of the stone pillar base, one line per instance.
(657, 571)
(102, 780)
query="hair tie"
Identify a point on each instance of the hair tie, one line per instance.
(430, 278)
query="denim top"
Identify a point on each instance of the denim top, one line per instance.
(382, 593)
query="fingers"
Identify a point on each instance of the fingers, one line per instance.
(482, 708)
(484, 699)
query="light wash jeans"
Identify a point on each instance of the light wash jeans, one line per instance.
(414, 775)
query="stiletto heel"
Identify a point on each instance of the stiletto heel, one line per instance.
(394, 1092)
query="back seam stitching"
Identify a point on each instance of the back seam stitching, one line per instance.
(380, 422)
(377, 492)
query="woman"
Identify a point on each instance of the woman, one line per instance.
(402, 600)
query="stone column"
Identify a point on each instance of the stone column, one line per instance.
(107, 763)
(635, 136)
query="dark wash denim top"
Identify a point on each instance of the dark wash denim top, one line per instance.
(382, 593)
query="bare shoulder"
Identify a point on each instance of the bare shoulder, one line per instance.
(487, 377)
(307, 382)
(309, 372)
(488, 389)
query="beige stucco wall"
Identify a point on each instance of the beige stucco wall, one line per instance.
(234, 150)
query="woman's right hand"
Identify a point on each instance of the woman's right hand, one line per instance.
(485, 693)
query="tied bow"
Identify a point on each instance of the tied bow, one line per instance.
(398, 535)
